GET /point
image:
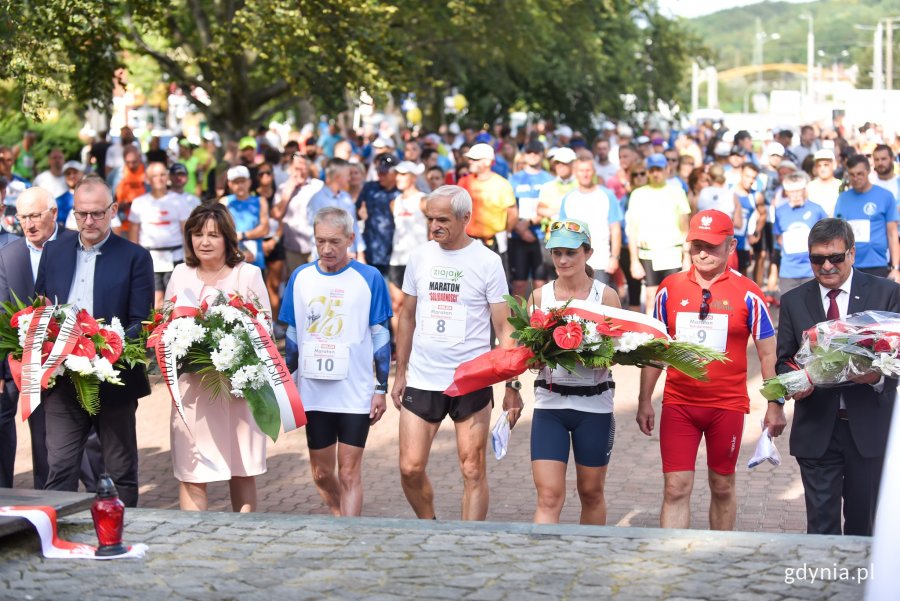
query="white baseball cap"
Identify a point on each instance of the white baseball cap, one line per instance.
(238, 172)
(565, 155)
(73, 165)
(564, 131)
(410, 167)
(480, 151)
(775, 148)
(824, 154)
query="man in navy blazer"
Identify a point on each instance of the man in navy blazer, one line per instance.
(37, 214)
(109, 277)
(8, 403)
(839, 435)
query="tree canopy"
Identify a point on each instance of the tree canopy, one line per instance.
(254, 58)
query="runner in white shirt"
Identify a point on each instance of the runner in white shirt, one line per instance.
(882, 174)
(157, 223)
(410, 231)
(453, 291)
(337, 311)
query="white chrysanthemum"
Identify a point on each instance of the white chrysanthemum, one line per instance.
(226, 352)
(591, 335)
(80, 365)
(24, 322)
(249, 376)
(228, 313)
(181, 334)
(629, 341)
(105, 371)
(116, 326)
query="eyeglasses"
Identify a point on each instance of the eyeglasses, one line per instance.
(834, 259)
(95, 215)
(639, 174)
(704, 304)
(31, 216)
(572, 226)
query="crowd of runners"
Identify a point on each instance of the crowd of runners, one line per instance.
(703, 227)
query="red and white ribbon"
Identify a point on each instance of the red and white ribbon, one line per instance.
(624, 321)
(44, 521)
(35, 373)
(185, 306)
(279, 377)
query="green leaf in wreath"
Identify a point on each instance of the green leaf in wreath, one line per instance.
(265, 411)
(87, 389)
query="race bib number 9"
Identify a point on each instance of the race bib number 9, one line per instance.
(711, 332)
(325, 360)
(444, 322)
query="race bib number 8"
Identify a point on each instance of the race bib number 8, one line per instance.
(444, 322)
(711, 332)
(325, 360)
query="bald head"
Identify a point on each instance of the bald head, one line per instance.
(36, 211)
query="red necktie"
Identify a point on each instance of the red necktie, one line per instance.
(833, 312)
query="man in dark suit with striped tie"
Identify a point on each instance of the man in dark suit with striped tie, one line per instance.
(839, 434)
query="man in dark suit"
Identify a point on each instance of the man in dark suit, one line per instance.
(7, 403)
(107, 276)
(839, 435)
(37, 214)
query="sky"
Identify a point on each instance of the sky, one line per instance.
(695, 8)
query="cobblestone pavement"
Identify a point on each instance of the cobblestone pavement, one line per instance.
(770, 499)
(270, 556)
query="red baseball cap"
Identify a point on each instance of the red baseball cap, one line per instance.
(710, 226)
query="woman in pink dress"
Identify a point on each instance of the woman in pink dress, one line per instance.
(218, 438)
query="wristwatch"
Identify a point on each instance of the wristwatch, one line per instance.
(780, 401)
(514, 384)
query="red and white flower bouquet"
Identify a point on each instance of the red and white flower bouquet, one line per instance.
(833, 352)
(226, 341)
(44, 341)
(581, 333)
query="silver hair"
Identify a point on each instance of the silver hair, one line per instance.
(37, 192)
(335, 216)
(92, 180)
(797, 176)
(460, 201)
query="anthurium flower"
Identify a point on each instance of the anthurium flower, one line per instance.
(568, 336)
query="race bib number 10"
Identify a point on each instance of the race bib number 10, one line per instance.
(445, 322)
(711, 332)
(325, 360)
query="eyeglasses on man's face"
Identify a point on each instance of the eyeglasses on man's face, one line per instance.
(33, 217)
(95, 215)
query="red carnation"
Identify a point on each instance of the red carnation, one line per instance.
(568, 336)
(112, 345)
(88, 324)
(14, 320)
(236, 302)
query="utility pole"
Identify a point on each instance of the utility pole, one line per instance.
(810, 56)
(889, 55)
(877, 56)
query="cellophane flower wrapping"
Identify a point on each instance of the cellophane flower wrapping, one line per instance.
(834, 352)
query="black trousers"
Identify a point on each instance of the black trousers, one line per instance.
(9, 402)
(68, 427)
(841, 474)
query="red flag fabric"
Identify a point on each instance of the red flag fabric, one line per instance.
(488, 369)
